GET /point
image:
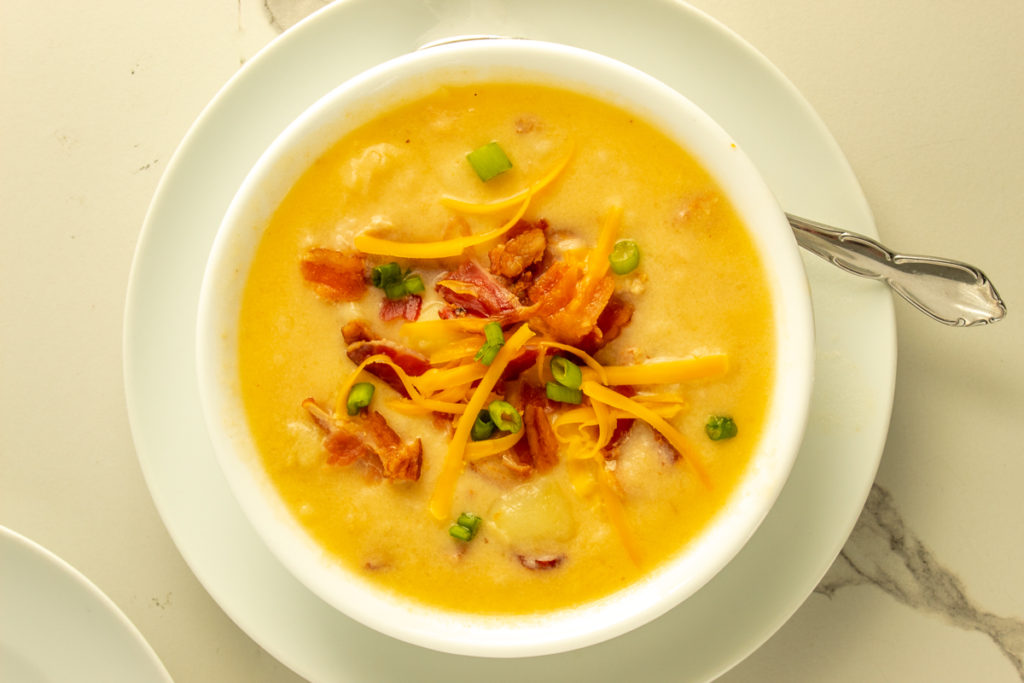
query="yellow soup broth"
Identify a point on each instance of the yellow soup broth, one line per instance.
(585, 527)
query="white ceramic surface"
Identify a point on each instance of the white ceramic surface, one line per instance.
(55, 625)
(380, 89)
(743, 605)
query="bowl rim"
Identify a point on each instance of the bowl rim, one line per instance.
(511, 635)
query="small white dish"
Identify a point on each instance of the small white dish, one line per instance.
(55, 625)
(378, 90)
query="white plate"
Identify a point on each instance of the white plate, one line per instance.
(856, 347)
(55, 625)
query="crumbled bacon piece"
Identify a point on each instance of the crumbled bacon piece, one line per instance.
(615, 316)
(555, 288)
(450, 312)
(513, 463)
(503, 471)
(566, 305)
(358, 330)
(471, 288)
(519, 364)
(345, 447)
(368, 438)
(320, 416)
(524, 247)
(407, 307)
(335, 275)
(539, 449)
(541, 561)
(413, 363)
(540, 437)
(400, 460)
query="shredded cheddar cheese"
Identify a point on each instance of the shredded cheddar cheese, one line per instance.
(616, 513)
(441, 500)
(597, 259)
(582, 355)
(439, 336)
(457, 351)
(369, 243)
(436, 379)
(414, 394)
(477, 450)
(668, 372)
(605, 395)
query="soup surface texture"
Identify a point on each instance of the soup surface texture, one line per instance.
(598, 485)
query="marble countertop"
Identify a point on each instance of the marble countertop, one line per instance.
(925, 99)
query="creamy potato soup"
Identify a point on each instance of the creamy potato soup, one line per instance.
(505, 349)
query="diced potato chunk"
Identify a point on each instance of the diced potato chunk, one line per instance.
(534, 516)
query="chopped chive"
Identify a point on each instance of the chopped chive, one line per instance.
(563, 394)
(495, 339)
(386, 274)
(566, 373)
(486, 354)
(625, 257)
(359, 397)
(483, 427)
(493, 334)
(720, 427)
(465, 527)
(470, 521)
(505, 416)
(489, 160)
(389, 277)
(413, 284)
(395, 290)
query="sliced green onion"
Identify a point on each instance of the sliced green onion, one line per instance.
(465, 527)
(413, 284)
(719, 427)
(386, 274)
(625, 257)
(483, 427)
(359, 397)
(389, 278)
(505, 416)
(563, 394)
(489, 160)
(470, 521)
(495, 340)
(566, 373)
(395, 290)
(493, 334)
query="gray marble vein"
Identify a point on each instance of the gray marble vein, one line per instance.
(882, 552)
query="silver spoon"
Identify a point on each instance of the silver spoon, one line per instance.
(949, 291)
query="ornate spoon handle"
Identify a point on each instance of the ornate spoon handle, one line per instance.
(951, 292)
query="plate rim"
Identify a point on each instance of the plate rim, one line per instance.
(15, 545)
